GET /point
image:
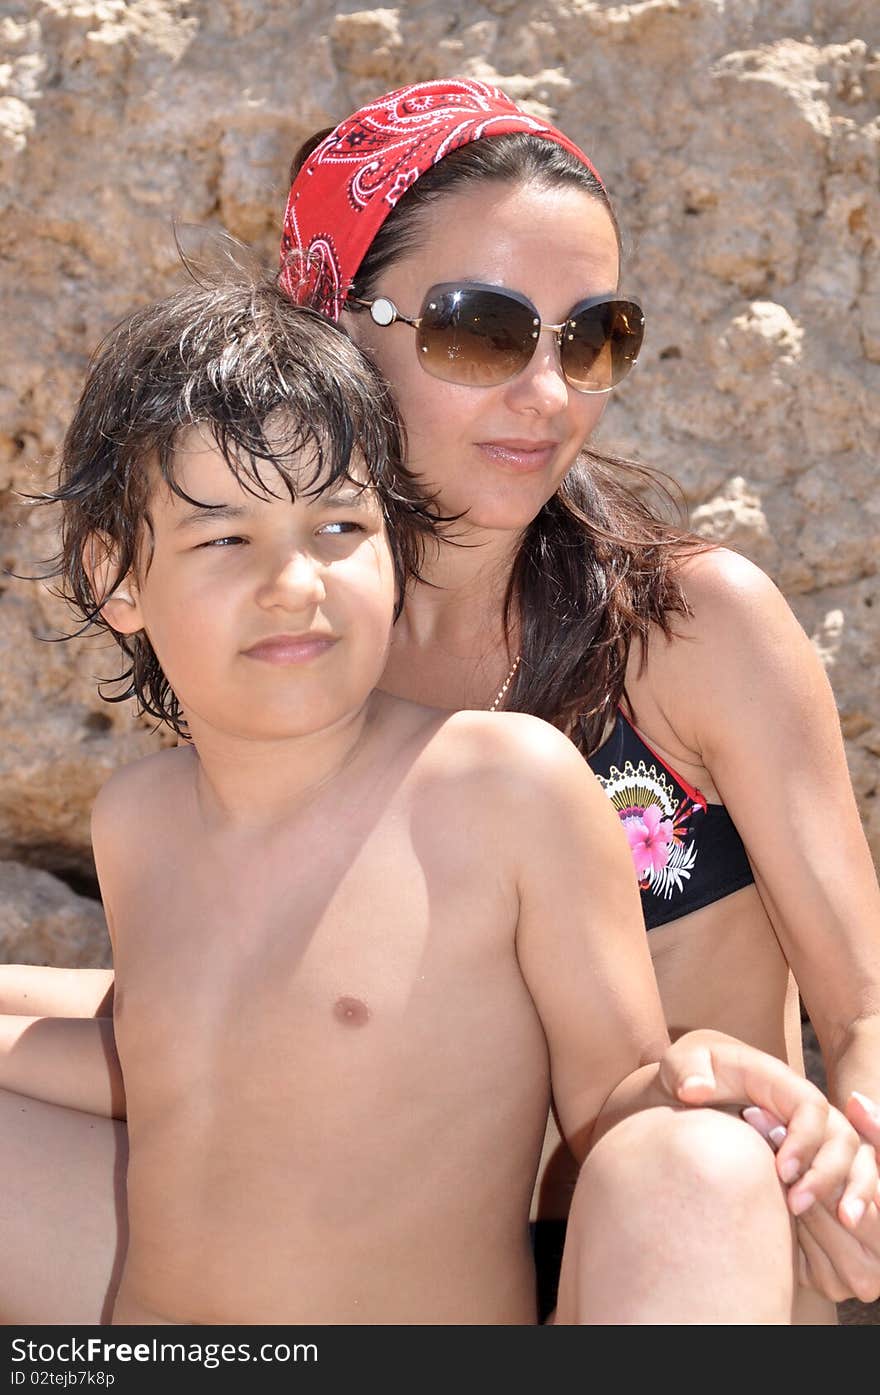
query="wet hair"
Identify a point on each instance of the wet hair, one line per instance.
(598, 566)
(273, 384)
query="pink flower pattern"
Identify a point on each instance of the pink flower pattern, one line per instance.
(650, 838)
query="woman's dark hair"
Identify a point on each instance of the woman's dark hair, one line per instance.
(273, 384)
(597, 567)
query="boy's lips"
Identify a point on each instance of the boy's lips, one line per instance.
(520, 454)
(290, 649)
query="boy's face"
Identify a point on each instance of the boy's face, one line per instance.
(271, 618)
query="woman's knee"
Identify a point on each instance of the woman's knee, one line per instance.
(701, 1155)
(678, 1217)
(62, 1212)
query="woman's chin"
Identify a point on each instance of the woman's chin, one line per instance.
(505, 516)
(495, 510)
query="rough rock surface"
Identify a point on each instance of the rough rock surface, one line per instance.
(740, 140)
(44, 922)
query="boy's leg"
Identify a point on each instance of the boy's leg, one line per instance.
(62, 1213)
(39, 991)
(678, 1218)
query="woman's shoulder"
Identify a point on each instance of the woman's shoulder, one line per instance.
(729, 605)
(740, 640)
(717, 580)
(733, 609)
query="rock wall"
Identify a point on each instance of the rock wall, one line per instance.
(740, 141)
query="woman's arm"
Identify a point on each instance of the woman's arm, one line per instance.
(745, 688)
(37, 990)
(67, 1061)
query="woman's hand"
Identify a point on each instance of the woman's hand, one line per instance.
(819, 1155)
(839, 1249)
(864, 1115)
(840, 1262)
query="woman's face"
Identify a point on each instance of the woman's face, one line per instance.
(497, 453)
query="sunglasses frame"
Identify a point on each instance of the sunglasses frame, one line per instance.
(384, 312)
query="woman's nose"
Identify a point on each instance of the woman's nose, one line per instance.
(294, 581)
(541, 385)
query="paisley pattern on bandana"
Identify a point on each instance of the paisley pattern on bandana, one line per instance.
(359, 172)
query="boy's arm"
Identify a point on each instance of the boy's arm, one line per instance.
(70, 1059)
(63, 1060)
(581, 939)
(583, 952)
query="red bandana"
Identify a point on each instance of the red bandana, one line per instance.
(353, 179)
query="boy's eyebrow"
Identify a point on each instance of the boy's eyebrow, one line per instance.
(205, 513)
(345, 498)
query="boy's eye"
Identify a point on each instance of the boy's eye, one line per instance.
(339, 526)
(221, 542)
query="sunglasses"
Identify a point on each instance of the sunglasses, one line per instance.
(481, 336)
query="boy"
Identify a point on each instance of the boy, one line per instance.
(354, 939)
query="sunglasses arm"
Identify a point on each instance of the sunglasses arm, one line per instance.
(383, 311)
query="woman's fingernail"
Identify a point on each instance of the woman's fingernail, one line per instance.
(789, 1169)
(868, 1105)
(801, 1202)
(755, 1116)
(778, 1135)
(853, 1208)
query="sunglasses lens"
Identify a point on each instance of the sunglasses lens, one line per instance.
(601, 343)
(475, 337)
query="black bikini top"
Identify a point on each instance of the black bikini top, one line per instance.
(687, 852)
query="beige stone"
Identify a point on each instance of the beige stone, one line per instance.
(43, 922)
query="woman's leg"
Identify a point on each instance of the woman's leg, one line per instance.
(62, 1213)
(36, 990)
(678, 1218)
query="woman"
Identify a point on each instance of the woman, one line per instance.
(678, 670)
(475, 255)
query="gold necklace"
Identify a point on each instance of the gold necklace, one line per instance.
(506, 684)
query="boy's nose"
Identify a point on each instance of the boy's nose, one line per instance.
(295, 582)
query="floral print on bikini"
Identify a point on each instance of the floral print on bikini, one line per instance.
(686, 852)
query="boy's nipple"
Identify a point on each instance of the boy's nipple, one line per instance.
(351, 1012)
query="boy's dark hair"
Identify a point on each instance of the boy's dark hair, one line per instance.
(227, 356)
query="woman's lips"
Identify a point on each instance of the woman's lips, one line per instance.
(520, 456)
(290, 649)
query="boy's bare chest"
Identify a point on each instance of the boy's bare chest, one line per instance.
(341, 957)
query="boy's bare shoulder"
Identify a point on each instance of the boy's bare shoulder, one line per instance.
(139, 787)
(514, 793)
(509, 753)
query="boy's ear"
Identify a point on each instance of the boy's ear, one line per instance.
(120, 603)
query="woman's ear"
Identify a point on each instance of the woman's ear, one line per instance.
(118, 597)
